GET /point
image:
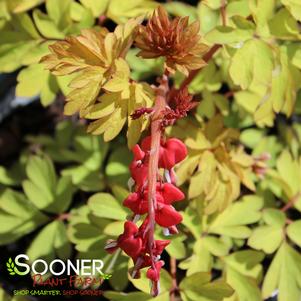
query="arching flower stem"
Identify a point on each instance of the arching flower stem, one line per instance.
(156, 129)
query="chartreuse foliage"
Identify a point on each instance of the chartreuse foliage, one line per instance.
(240, 236)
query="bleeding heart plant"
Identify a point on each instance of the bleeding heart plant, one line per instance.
(104, 92)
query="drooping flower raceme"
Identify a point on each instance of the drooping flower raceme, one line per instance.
(134, 241)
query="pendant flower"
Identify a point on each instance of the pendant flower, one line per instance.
(135, 241)
(172, 151)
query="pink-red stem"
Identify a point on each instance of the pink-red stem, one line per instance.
(160, 104)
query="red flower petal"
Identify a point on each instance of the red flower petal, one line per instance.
(130, 228)
(139, 172)
(131, 246)
(146, 144)
(137, 204)
(138, 153)
(160, 245)
(167, 216)
(171, 193)
(175, 151)
(127, 241)
(154, 274)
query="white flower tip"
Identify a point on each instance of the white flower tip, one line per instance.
(131, 183)
(166, 232)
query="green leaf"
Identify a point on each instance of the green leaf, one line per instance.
(176, 248)
(294, 7)
(238, 8)
(251, 137)
(268, 237)
(228, 35)
(98, 8)
(86, 232)
(40, 188)
(246, 68)
(117, 167)
(24, 24)
(262, 11)
(105, 205)
(288, 171)
(246, 262)
(245, 288)
(19, 6)
(283, 25)
(181, 9)
(198, 285)
(209, 78)
(142, 283)
(120, 12)
(51, 242)
(64, 193)
(119, 280)
(232, 222)
(59, 12)
(294, 232)
(284, 274)
(19, 217)
(11, 54)
(297, 59)
(208, 17)
(200, 261)
(213, 4)
(192, 221)
(46, 26)
(44, 83)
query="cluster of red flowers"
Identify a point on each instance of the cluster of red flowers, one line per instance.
(135, 240)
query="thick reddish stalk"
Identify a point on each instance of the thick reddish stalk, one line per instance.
(173, 272)
(160, 104)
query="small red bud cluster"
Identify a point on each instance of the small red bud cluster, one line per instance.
(141, 111)
(260, 166)
(134, 241)
(178, 107)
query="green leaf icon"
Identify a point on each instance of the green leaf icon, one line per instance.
(11, 268)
